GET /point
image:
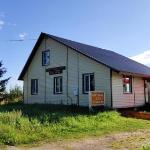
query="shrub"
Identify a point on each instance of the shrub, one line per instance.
(15, 94)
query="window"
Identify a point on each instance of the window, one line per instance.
(58, 85)
(45, 58)
(34, 86)
(88, 83)
(127, 84)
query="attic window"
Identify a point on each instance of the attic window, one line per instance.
(127, 84)
(45, 58)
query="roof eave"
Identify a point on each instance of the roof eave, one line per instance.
(21, 76)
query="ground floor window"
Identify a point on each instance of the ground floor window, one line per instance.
(58, 85)
(88, 82)
(127, 84)
(34, 86)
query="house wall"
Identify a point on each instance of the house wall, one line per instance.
(76, 65)
(127, 100)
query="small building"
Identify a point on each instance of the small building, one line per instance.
(61, 71)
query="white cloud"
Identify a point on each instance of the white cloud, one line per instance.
(1, 24)
(5, 23)
(23, 35)
(143, 58)
(11, 24)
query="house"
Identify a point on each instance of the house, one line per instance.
(61, 71)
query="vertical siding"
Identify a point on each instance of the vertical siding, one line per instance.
(102, 79)
(58, 55)
(136, 98)
(72, 75)
(78, 64)
(35, 71)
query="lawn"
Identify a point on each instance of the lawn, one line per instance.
(27, 124)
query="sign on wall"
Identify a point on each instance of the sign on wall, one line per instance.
(96, 98)
(55, 70)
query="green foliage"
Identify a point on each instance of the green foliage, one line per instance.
(23, 124)
(3, 82)
(147, 147)
(15, 94)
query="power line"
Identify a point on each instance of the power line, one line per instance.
(17, 40)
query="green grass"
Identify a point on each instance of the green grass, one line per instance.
(27, 124)
(146, 147)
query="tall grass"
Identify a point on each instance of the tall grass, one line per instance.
(147, 147)
(22, 124)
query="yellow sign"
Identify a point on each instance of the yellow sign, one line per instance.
(96, 98)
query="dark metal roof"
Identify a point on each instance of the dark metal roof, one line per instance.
(109, 58)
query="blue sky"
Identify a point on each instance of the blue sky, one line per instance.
(119, 25)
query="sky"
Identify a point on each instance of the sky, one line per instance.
(119, 25)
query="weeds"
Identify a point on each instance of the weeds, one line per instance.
(23, 124)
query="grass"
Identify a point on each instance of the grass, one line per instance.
(146, 147)
(27, 124)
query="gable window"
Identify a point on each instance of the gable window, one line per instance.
(45, 58)
(88, 82)
(58, 85)
(127, 84)
(34, 86)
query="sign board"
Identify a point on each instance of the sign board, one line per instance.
(96, 98)
(55, 70)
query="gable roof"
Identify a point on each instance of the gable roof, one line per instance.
(109, 58)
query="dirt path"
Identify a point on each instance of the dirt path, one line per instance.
(122, 141)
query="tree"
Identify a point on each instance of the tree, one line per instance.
(3, 81)
(15, 94)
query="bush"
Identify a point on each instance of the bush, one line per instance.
(15, 94)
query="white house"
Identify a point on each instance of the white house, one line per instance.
(61, 71)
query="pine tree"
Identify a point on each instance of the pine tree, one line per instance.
(3, 82)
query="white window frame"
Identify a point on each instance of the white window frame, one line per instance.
(34, 86)
(89, 85)
(58, 79)
(45, 55)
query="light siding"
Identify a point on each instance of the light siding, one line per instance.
(120, 100)
(76, 65)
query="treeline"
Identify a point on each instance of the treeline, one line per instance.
(14, 94)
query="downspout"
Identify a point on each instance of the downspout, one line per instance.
(78, 102)
(111, 88)
(67, 76)
(133, 91)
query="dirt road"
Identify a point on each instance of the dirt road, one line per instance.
(121, 141)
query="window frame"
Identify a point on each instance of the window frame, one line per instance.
(130, 84)
(35, 92)
(43, 57)
(84, 82)
(61, 85)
